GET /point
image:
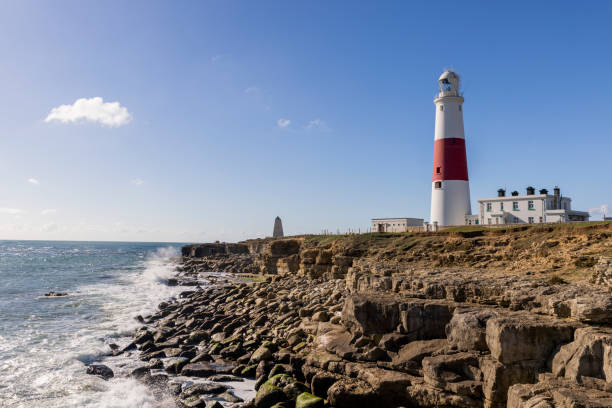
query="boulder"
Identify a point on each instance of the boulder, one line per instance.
(589, 355)
(594, 308)
(411, 355)
(307, 400)
(203, 389)
(321, 316)
(205, 369)
(338, 342)
(263, 353)
(422, 395)
(556, 393)
(498, 377)
(351, 394)
(420, 320)
(100, 370)
(467, 329)
(229, 396)
(389, 386)
(268, 395)
(441, 370)
(522, 336)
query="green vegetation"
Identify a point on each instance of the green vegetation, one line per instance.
(557, 280)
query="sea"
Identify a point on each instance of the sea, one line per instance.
(46, 343)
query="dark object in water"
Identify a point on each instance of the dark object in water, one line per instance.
(100, 370)
(56, 294)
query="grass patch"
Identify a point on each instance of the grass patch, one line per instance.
(557, 280)
(585, 262)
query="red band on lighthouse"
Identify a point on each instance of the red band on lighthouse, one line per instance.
(450, 160)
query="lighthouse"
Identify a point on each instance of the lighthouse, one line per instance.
(450, 188)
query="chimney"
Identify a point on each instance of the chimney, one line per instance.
(557, 200)
(544, 191)
(514, 193)
(501, 192)
(530, 190)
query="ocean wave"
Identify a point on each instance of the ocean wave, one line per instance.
(43, 364)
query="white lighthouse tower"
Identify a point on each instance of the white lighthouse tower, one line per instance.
(450, 189)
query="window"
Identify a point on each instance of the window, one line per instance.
(530, 205)
(530, 220)
(441, 107)
(515, 206)
(446, 85)
(459, 108)
(541, 220)
(489, 221)
(438, 170)
(438, 184)
(489, 207)
(501, 206)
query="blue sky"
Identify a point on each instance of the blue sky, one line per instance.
(320, 112)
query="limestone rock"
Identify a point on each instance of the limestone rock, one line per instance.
(421, 320)
(411, 355)
(467, 329)
(351, 394)
(498, 377)
(556, 393)
(520, 336)
(589, 355)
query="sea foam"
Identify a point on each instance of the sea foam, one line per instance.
(43, 360)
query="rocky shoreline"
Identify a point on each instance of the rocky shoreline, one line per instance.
(327, 326)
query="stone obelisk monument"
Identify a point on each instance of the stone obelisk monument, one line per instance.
(278, 228)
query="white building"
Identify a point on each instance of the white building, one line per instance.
(530, 208)
(395, 224)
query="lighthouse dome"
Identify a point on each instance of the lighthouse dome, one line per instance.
(449, 83)
(448, 74)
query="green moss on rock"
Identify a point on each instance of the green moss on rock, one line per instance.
(307, 400)
(269, 395)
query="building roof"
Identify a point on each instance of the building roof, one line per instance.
(395, 218)
(522, 197)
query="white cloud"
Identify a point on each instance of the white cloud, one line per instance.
(33, 181)
(317, 124)
(603, 209)
(283, 123)
(137, 182)
(93, 110)
(251, 89)
(48, 211)
(11, 211)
